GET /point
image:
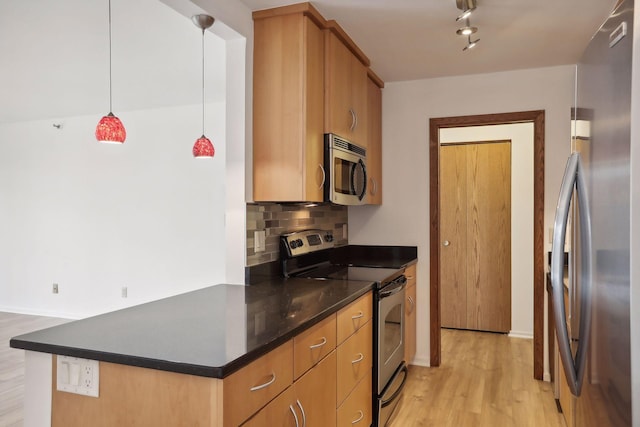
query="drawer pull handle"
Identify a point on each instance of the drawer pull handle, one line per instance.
(267, 384)
(358, 316)
(304, 416)
(409, 277)
(295, 417)
(413, 304)
(359, 359)
(359, 418)
(324, 341)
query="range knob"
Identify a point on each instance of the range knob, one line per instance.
(293, 244)
(328, 237)
(300, 242)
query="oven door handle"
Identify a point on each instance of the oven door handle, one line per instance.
(394, 287)
(396, 393)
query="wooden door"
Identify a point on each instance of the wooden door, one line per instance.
(475, 229)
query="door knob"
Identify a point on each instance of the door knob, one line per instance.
(446, 243)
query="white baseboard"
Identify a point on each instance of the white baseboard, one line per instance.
(519, 334)
(46, 313)
(421, 361)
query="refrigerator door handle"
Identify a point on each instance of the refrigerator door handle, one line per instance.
(573, 178)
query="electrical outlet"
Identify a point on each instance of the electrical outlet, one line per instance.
(54, 288)
(79, 376)
(345, 232)
(124, 292)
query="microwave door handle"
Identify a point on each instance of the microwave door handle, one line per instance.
(354, 190)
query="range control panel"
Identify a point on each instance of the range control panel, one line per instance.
(307, 241)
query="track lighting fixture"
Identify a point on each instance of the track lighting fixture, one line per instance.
(470, 44)
(467, 7)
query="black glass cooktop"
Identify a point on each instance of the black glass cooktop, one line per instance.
(379, 276)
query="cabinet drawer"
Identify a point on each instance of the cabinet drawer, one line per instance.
(357, 409)
(410, 274)
(313, 344)
(253, 386)
(354, 360)
(354, 316)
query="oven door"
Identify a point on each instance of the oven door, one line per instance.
(348, 178)
(390, 331)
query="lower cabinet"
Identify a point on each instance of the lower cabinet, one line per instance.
(310, 401)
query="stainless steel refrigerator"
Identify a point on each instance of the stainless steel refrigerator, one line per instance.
(594, 332)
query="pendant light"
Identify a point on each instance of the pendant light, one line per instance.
(110, 128)
(203, 148)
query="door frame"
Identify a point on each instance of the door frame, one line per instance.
(537, 117)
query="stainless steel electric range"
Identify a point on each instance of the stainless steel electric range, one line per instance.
(308, 254)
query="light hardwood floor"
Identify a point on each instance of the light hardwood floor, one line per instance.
(12, 363)
(485, 379)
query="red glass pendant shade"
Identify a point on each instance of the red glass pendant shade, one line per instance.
(203, 148)
(110, 130)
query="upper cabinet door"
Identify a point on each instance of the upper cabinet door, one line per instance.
(374, 139)
(288, 113)
(345, 92)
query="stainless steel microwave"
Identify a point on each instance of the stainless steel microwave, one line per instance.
(345, 163)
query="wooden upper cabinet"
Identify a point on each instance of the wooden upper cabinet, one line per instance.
(345, 91)
(374, 140)
(288, 106)
(309, 78)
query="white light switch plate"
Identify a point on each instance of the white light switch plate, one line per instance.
(259, 241)
(79, 376)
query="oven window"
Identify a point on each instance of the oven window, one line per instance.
(392, 332)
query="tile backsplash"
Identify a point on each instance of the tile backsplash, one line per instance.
(277, 219)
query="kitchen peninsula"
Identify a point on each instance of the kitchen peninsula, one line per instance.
(172, 361)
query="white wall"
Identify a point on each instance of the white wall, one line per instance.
(95, 217)
(403, 219)
(521, 136)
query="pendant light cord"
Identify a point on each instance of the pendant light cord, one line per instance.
(110, 90)
(203, 82)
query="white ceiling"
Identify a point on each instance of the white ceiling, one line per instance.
(416, 39)
(54, 54)
(54, 58)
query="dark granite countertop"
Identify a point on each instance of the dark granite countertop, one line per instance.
(210, 332)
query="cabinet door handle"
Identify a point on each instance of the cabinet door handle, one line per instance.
(413, 304)
(359, 359)
(324, 341)
(359, 418)
(304, 416)
(324, 176)
(358, 316)
(267, 384)
(354, 120)
(374, 186)
(295, 417)
(446, 243)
